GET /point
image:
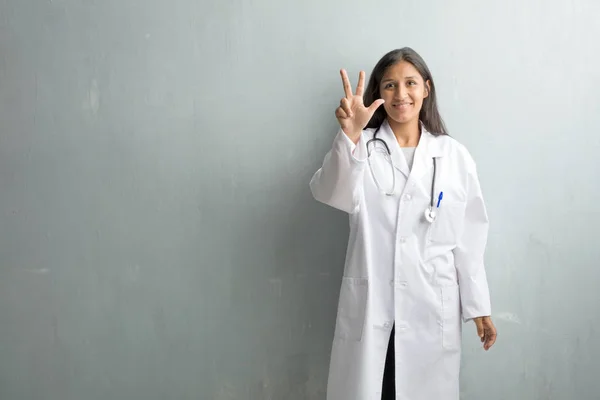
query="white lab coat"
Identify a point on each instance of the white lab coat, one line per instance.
(402, 270)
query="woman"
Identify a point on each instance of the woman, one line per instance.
(418, 230)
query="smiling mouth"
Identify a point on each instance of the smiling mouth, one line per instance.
(401, 105)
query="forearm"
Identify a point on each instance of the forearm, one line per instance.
(337, 183)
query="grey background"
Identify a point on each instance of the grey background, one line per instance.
(157, 235)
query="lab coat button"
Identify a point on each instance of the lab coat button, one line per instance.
(402, 239)
(407, 197)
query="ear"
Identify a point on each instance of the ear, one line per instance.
(427, 88)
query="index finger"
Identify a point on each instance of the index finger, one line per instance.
(490, 340)
(346, 82)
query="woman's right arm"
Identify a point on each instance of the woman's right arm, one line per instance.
(337, 182)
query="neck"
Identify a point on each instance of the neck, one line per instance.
(407, 134)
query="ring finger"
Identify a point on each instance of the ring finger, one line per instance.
(345, 104)
(340, 113)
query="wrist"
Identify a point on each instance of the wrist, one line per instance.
(353, 136)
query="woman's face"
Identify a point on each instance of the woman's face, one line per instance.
(403, 89)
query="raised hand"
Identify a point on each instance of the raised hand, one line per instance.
(352, 114)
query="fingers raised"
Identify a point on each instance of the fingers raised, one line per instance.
(346, 82)
(361, 84)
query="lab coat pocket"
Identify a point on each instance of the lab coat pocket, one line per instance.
(448, 224)
(451, 322)
(352, 307)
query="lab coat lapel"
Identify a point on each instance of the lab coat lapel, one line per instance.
(395, 151)
(427, 149)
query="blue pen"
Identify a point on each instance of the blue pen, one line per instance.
(440, 199)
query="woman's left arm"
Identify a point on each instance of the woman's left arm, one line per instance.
(469, 252)
(469, 260)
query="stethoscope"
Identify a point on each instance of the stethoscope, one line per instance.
(430, 213)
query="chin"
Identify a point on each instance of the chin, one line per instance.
(402, 119)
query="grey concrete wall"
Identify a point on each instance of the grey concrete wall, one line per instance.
(157, 235)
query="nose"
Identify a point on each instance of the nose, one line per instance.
(401, 92)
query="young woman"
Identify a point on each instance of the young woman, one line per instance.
(418, 229)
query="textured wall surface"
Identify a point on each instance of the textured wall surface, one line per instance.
(157, 235)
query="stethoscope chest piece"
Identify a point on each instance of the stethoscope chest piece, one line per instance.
(430, 215)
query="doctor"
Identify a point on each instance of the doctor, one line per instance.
(418, 229)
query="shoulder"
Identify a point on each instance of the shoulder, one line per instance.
(456, 150)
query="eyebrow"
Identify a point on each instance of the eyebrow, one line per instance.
(391, 80)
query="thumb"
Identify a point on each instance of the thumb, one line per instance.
(376, 104)
(479, 324)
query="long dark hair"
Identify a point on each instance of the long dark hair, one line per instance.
(429, 114)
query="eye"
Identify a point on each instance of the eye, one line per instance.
(412, 83)
(388, 86)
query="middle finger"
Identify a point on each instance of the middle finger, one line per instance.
(361, 84)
